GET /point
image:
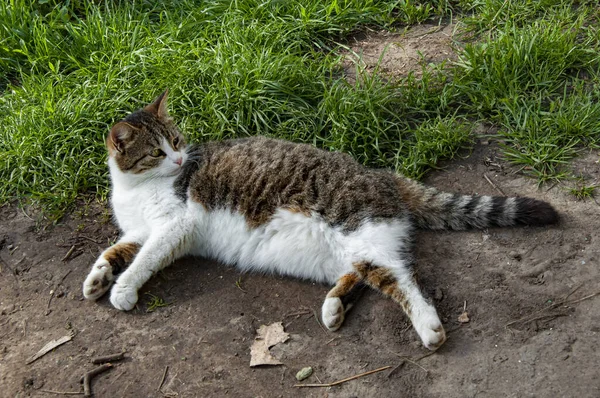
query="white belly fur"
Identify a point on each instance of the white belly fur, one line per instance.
(290, 244)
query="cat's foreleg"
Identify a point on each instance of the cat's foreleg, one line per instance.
(339, 300)
(398, 283)
(160, 250)
(111, 262)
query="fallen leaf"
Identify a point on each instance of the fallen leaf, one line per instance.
(48, 347)
(464, 317)
(267, 337)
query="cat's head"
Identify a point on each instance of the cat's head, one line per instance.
(147, 142)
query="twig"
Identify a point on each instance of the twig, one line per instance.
(426, 355)
(303, 312)
(87, 378)
(343, 380)
(90, 239)
(164, 376)
(496, 187)
(563, 302)
(48, 310)
(335, 338)
(396, 368)
(404, 357)
(550, 316)
(63, 278)
(66, 257)
(582, 299)
(62, 392)
(108, 358)
(552, 186)
(318, 321)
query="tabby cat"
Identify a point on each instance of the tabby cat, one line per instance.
(275, 206)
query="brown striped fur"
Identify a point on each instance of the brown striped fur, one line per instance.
(382, 279)
(121, 255)
(118, 256)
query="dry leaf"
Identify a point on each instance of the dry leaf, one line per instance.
(49, 347)
(464, 317)
(267, 337)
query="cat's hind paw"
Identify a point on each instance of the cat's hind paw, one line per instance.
(98, 280)
(431, 332)
(123, 297)
(332, 313)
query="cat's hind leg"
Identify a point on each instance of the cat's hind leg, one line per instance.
(111, 262)
(340, 299)
(397, 282)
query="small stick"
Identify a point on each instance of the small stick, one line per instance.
(554, 305)
(572, 291)
(318, 321)
(62, 392)
(90, 239)
(164, 376)
(87, 378)
(63, 278)
(335, 338)
(108, 358)
(303, 312)
(343, 380)
(406, 358)
(494, 185)
(395, 368)
(48, 310)
(66, 257)
(550, 316)
(582, 299)
(49, 301)
(552, 186)
(425, 356)
(414, 363)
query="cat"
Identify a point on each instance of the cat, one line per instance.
(270, 205)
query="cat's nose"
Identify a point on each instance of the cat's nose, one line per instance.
(179, 161)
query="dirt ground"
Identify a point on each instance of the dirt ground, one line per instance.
(396, 54)
(515, 344)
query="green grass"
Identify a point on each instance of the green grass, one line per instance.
(583, 192)
(155, 302)
(68, 70)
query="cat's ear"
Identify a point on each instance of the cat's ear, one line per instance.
(159, 106)
(119, 133)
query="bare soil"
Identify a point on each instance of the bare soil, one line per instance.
(204, 335)
(395, 55)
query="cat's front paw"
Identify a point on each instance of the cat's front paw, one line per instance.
(431, 331)
(123, 297)
(98, 280)
(333, 313)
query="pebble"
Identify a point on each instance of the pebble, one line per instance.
(304, 373)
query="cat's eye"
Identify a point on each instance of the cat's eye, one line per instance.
(175, 141)
(157, 153)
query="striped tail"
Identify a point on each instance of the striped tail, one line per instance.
(433, 209)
